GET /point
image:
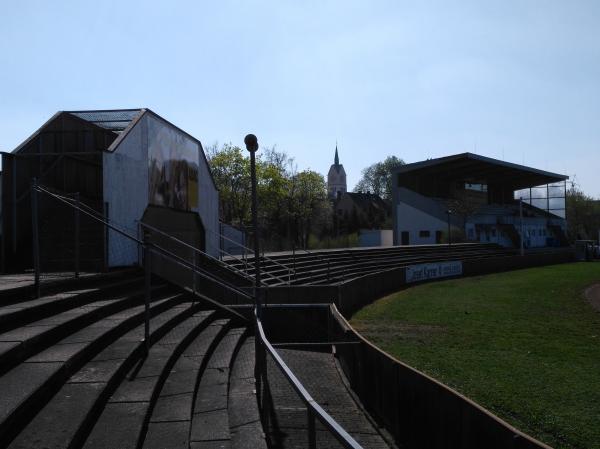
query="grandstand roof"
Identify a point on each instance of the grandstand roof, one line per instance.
(112, 119)
(475, 169)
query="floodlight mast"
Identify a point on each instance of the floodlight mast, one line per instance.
(252, 146)
(448, 212)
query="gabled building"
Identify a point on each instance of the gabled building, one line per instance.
(127, 165)
(357, 210)
(478, 198)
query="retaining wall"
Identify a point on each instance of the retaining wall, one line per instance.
(417, 410)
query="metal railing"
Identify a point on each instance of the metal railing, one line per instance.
(148, 248)
(244, 259)
(263, 347)
(313, 410)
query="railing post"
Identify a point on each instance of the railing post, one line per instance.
(266, 396)
(312, 435)
(35, 235)
(148, 286)
(105, 235)
(77, 234)
(257, 367)
(294, 259)
(194, 279)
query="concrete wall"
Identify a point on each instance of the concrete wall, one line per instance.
(126, 189)
(125, 184)
(414, 221)
(233, 240)
(376, 237)
(417, 410)
(208, 196)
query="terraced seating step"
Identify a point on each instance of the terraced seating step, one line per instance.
(31, 383)
(125, 420)
(81, 400)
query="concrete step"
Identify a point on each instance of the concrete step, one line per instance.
(146, 396)
(26, 387)
(245, 425)
(69, 416)
(20, 314)
(210, 418)
(19, 343)
(25, 291)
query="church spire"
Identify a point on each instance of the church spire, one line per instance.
(336, 160)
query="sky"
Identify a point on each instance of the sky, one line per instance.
(513, 80)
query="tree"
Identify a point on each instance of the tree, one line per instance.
(309, 205)
(291, 204)
(231, 172)
(583, 215)
(377, 178)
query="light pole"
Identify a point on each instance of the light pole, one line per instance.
(252, 146)
(448, 212)
(521, 223)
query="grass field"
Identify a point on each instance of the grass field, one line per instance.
(524, 344)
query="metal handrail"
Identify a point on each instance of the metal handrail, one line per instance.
(193, 248)
(199, 251)
(250, 250)
(313, 409)
(175, 258)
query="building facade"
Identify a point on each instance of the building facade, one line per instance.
(478, 199)
(128, 166)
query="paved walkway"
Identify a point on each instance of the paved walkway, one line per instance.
(592, 294)
(318, 372)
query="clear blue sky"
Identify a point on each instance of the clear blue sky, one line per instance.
(514, 80)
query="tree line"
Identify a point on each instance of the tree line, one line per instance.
(293, 204)
(294, 209)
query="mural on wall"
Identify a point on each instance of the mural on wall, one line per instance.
(173, 167)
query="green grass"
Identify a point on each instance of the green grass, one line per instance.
(524, 344)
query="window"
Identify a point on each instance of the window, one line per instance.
(423, 234)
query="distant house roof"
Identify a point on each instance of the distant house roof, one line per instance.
(364, 201)
(480, 169)
(112, 119)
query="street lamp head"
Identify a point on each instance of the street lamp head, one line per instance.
(251, 143)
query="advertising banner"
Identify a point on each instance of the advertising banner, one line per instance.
(173, 167)
(425, 271)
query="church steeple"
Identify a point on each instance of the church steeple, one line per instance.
(336, 178)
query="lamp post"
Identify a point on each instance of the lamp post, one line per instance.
(252, 146)
(448, 212)
(521, 224)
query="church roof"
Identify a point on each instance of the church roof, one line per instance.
(336, 163)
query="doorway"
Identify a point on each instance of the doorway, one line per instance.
(404, 239)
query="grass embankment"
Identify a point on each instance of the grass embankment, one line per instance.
(524, 344)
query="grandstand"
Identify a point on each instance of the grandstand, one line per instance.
(124, 324)
(478, 198)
